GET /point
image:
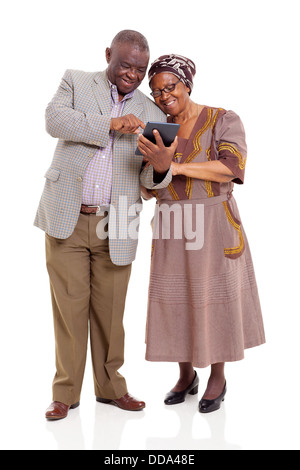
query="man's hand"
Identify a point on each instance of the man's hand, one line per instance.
(126, 124)
(157, 154)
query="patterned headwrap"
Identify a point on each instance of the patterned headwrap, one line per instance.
(178, 65)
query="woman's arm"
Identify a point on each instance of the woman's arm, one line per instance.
(208, 171)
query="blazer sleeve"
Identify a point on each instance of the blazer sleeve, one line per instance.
(64, 122)
(231, 144)
(147, 180)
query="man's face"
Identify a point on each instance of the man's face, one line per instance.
(127, 66)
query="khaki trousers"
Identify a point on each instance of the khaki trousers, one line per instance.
(87, 290)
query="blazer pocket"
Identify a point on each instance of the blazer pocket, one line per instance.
(52, 174)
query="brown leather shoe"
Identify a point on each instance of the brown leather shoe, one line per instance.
(58, 410)
(128, 403)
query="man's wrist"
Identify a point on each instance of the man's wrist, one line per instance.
(112, 124)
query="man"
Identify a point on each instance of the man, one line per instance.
(96, 117)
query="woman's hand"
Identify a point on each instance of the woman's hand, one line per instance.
(175, 168)
(159, 156)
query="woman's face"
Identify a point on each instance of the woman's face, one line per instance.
(174, 102)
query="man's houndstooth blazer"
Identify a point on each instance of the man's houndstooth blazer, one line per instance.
(79, 116)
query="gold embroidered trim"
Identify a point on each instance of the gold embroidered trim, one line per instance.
(189, 187)
(198, 149)
(173, 193)
(213, 124)
(237, 249)
(208, 152)
(208, 186)
(155, 194)
(196, 141)
(232, 149)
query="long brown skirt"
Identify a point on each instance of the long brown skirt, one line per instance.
(203, 303)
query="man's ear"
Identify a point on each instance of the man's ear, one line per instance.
(108, 54)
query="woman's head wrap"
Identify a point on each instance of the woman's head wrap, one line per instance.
(178, 65)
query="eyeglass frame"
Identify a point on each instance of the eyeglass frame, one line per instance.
(166, 89)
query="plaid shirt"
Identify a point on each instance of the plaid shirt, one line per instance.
(97, 182)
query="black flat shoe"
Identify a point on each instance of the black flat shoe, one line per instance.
(208, 406)
(173, 398)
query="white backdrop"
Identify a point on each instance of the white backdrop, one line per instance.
(247, 55)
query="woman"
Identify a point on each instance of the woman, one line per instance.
(204, 308)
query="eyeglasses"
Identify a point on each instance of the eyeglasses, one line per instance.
(167, 89)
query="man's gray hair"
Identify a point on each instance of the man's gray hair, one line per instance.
(133, 37)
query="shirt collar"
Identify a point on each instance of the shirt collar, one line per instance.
(115, 94)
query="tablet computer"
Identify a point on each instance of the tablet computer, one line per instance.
(167, 130)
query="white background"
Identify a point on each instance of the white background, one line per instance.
(247, 55)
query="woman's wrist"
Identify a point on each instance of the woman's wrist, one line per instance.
(181, 169)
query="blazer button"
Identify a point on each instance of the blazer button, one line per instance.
(79, 179)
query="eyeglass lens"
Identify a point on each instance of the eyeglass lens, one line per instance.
(167, 89)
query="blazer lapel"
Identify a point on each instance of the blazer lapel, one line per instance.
(133, 106)
(102, 94)
(101, 91)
